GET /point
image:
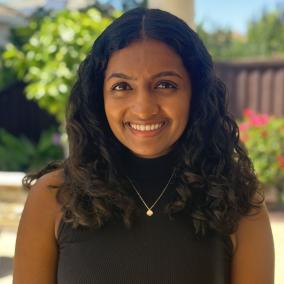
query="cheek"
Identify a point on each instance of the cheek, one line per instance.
(109, 113)
(180, 111)
(113, 113)
(107, 110)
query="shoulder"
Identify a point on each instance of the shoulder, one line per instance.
(255, 222)
(43, 195)
(253, 260)
(254, 213)
(36, 247)
(41, 202)
(52, 178)
(43, 185)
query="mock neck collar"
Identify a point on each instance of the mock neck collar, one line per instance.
(149, 175)
(139, 168)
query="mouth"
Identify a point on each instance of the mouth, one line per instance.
(146, 129)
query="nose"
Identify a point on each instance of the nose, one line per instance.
(145, 104)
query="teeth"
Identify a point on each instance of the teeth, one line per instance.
(147, 127)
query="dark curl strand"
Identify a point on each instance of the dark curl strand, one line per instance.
(216, 183)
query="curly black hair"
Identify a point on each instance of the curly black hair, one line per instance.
(216, 182)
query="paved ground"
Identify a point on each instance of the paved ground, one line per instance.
(10, 214)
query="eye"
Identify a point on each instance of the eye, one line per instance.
(121, 86)
(166, 85)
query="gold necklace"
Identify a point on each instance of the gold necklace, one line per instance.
(149, 211)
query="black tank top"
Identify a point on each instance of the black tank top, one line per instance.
(156, 250)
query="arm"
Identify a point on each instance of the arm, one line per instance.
(35, 258)
(253, 260)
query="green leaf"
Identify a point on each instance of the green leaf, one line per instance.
(48, 61)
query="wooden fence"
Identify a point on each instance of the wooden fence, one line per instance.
(255, 85)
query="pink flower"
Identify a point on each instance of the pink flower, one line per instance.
(244, 126)
(254, 118)
(248, 112)
(259, 120)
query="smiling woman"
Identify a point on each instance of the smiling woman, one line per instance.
(157, 187)
(147, 97)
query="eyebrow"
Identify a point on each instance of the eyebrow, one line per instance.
(160, 74)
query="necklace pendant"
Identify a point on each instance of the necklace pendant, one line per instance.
(149, 212)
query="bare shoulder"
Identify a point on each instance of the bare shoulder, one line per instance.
(43, 186)
(254, 212)
(253, 260)
(36, 247)
(52, 178)
(46, 195)
(49, 194)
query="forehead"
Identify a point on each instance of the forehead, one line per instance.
(146, 54)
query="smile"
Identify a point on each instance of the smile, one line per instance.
(146, 130)
(146, 127)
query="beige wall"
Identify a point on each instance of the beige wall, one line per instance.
(184, 9)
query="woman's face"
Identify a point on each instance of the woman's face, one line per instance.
(147, 94)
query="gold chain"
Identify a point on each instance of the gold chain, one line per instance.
(149, 211)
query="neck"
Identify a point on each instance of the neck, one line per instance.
(149, 175)
(148, 168)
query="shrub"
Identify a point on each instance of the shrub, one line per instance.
(20, 154)
(263, 136)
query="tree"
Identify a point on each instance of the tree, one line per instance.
(223, 43)
(267, 33)
(18, 37)
(264, 38)
(49, 60)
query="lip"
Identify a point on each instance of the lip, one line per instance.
(150, 133)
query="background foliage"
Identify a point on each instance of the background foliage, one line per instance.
(20, 154)
(48, 61)
(264, 38)
(46, 54)
(263, 137)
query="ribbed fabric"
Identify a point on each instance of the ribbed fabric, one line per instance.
(157, 250)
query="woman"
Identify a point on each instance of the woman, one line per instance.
(157, 187)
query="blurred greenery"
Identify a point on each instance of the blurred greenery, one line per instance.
(49, 60)
(264, 38)
(222, 43)
(20, 154)
(18, 37)
(7, 75)
(263, 137)
(47, 52)
(267, 33)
